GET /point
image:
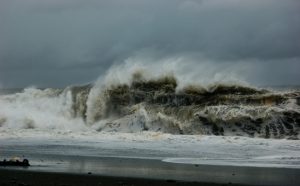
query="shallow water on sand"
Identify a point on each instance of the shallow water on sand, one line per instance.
(156, 169)
(169, 157)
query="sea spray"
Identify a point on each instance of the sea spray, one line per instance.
(143, 103)
(41, 109)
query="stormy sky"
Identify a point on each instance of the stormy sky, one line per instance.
(54, 43)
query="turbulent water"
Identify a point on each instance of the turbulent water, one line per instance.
(156, 104)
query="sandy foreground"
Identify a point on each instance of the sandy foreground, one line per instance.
(33, 178)
(152, 172)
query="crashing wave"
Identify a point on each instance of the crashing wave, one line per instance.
(158, 105)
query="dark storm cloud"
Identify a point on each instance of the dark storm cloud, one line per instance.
(46, 40)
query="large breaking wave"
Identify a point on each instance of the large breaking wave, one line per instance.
(156, 104)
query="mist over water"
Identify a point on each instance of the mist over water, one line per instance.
(110, 86)
(159, 98)
(172, 66)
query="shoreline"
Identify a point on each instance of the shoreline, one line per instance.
(14, 177)
(180, 158)
(132, 172)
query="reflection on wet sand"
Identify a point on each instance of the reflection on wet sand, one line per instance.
(156, 169)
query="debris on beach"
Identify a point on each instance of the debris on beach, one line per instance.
(15, 162)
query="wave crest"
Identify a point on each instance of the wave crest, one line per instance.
(158, 104)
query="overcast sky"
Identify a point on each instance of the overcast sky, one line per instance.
(54, 43)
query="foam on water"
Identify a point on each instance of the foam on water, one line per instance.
(142, 102)
(34, 108)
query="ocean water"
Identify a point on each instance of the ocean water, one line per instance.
(202, 158)
(220, 124)
(158, 105)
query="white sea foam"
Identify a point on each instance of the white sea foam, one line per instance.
(187, 149)
(129, 98)
(34, 108)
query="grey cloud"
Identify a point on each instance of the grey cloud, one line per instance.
(48, 36)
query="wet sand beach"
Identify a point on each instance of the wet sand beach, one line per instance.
(75, 170)
(173, 160)
(34, 178)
